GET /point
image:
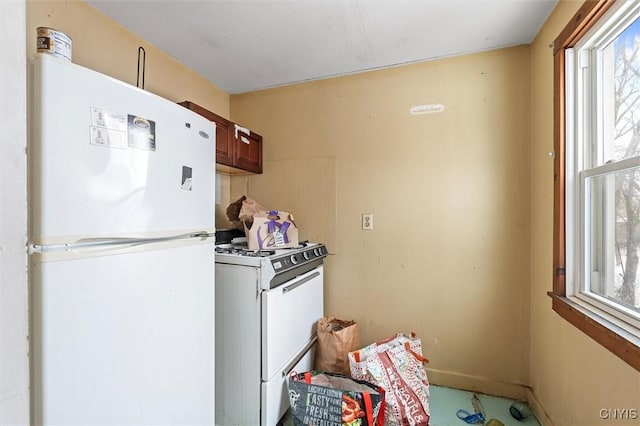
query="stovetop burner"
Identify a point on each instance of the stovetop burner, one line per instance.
(243, 251)
(278, 260)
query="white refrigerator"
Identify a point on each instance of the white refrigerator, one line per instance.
(122, 190)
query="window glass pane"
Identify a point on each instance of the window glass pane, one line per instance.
(623, 55)
(614, 236)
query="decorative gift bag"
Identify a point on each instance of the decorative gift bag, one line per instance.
(336, 338)
(397, 365)
(331, 399)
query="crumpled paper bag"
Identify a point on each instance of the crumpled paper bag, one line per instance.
(240, 213)
(336, 338)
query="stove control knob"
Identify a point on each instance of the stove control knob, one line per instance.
(316, 252)
(293, 259)
(306, 255)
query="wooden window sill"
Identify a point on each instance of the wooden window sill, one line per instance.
(614, 338)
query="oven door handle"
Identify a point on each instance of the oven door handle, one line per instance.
(289, 368)
(295, 285)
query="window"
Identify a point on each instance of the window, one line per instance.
(597, 175)
(603, 164)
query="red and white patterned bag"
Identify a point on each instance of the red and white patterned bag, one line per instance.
(397, 365)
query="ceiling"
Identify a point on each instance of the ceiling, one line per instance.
(246, 45)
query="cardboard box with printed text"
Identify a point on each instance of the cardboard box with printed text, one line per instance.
(272, 230)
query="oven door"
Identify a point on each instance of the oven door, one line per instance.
(289, 316)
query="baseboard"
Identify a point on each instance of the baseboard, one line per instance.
(478, 384)
(538, 409)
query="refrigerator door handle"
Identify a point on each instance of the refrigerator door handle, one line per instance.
(86, 244)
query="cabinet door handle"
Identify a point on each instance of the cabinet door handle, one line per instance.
(242, 130)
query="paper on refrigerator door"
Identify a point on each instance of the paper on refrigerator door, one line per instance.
(141, 133)
(108, 129)
(122, 130)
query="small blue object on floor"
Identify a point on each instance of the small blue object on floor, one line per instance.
(444, 404)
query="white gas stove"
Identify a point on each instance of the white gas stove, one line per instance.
(276, 266)
(267, 307)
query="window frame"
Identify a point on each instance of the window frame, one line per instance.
(596, 325)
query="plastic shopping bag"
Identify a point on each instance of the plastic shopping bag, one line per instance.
(397, 365)
(331, 399)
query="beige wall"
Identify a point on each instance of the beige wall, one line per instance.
(450, 194)
(572, 376)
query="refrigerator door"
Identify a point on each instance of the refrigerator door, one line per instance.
(108, 159)
(124, 338)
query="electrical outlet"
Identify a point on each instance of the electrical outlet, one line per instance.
(367, 221)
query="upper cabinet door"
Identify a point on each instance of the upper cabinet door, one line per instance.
(237, 148)
(248, 150)
(224, 149)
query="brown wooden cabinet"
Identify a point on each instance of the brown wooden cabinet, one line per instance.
(236, 146)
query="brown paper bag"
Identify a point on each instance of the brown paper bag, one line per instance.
(336, 338)
(249, 208)
(240, 212)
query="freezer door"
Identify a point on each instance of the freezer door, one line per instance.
(109, 159)
(125, 339)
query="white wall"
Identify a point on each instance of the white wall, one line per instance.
(14, 363)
